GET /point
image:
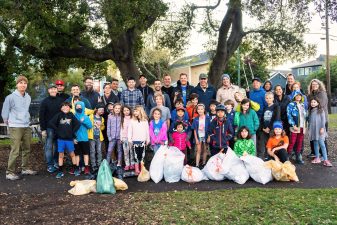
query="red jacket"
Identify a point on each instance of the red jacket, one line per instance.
(179, 141)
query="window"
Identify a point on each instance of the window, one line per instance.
(300, 72)
(308, 71)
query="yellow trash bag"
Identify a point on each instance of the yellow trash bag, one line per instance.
(144, 174)
(282, 171)
(119, 184)
(82, 187)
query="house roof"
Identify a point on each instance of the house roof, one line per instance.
(319, 61)
(272, 75)
(193, 60)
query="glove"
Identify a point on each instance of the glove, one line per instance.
(44, 133)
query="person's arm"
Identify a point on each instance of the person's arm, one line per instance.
(255, 106)
(230, 131)
(76, 125)
(163, 132)
(251, 147)
(6, 109)
(141, 99)
(87, 123)
(256, 121)
(147, 130)
(108, 130)
(121, 99)
(290, 117)
(42, 119)
(218, 96)
(102, 127)
(167, 101)
(196, 137)
(153, 137)
(54, 122)
(130, 130)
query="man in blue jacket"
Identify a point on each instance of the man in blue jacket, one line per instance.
(205, 91)
(257, 94)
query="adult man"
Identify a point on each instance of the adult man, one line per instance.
(15, 113)
(227, 91)
(75, 91)
(257, 94)
(183, 89)
(89, 93)
(49, 107)
(167, 88)
(60, 90)
(290, 82)
(114, 88)
(205, 91)
(143, 87)
(151, 102)
(132, 96)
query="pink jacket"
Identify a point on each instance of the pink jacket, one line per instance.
(179, 141)
(161, 137)
(124, 128)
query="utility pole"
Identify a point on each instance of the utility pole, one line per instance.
(327, 61)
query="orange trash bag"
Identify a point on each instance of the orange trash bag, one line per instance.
(282, 171)
(144, 174)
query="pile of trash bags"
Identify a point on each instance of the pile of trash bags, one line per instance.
(168, 164)
(105, 183)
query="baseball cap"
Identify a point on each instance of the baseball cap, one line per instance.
(59, 82)
(203, 76)
(256, 79)
(51, 85)
(180, 108)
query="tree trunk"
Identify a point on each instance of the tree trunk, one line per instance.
(128, 68)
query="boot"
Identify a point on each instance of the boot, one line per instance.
(137, 169)
(299, 159)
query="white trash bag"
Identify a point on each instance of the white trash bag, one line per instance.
(173, 165)
(82, 187)
(257, 169)
(213, 169)
(233, 168)
(157, 164)
(192, 174)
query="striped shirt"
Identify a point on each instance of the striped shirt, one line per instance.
(132, 98)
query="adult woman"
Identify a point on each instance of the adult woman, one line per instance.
(282, 100)
(317, 89)
(268, 86)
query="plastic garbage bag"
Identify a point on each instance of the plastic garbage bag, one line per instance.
(173, 165)
(282, 171)
(82, 187)
(157, 164)
(105, 183)
(257, 169)
(233, 168)
(119, 184)
(144, 174)
(192, 174)
(213, 169)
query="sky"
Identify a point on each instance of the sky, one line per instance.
(314, 36)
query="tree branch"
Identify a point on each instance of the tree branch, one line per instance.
(208, 7)
(210, 21)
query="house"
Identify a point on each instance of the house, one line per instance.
(305, 69)
(193, 66)
(278, 78)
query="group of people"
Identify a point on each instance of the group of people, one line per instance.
(266, 121)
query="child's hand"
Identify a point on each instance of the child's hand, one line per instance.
(295, 128)
(197, 142)
(208, 140)
(75, 141)
(321, 131)
(147, 143)
(82, 119)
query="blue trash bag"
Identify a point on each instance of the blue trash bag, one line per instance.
(104, 182)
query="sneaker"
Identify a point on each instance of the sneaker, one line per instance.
(59, 175)
(311, 156)
(77, 172)
(72, 171)
(51, 169)
(132, 167)
(12, 176)
(327, 163)
(316, 160)
(126, 168)
(86, 170)
(28, 172)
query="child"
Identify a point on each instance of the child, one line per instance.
(278, 143)
(114, 132)
(86, 110)
(244, 143)
(317, 132)
(271, 113)
(179, 103)
(82, 146)
(158, 130)
(239, 96)
(212, 111)
(180, 139)
(95, 136)
(192, 107)
(180, 117)
(296, 117)
(220, 131)
(247, 117)
(165, 112)
(200, 126)
(138, 135)
(128, 153)
(230, 113)
(65, 125)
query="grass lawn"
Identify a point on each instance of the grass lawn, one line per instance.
(6, 141)
(333, 121)
(241, 206)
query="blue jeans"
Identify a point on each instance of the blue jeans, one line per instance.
(119, 150)
(320, 144)
(49, 147)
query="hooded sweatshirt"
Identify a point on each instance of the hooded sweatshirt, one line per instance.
(82, 133)
(15, 109)
(259, 97)
(65, 125)
(296, 113)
